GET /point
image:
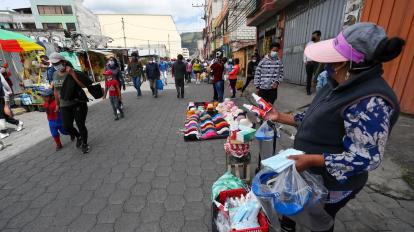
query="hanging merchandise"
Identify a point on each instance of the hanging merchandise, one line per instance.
(265, 132)
(16, 42)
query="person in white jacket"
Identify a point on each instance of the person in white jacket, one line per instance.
(5, 92)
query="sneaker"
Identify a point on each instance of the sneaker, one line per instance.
(78, 142)
(4, 135)
(85, 148)
(116, 118)
(20, 126)
(59, 147)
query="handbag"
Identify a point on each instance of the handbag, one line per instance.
(96, 90)
(159, 84)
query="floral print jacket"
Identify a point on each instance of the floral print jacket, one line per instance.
(367, 125)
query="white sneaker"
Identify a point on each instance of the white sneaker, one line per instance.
(20, 126)
(4, 135)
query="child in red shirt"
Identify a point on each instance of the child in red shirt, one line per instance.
(112, 86)
(54, 118)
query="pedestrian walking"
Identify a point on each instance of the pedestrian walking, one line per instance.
(269, 74)
(71, 99)
(136, 72)
(251, 69)
(217, 70)
(178, 72)
(6, 115)
(112, 86)
(153, 74)
(311, 65)
(54, 118)
(189, 69)
(233, 76)
(197, 71)
(346, 127)
(163, 70)
(114, 66)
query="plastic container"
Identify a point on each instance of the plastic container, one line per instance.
(264, 225)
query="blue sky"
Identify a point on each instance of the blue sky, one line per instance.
(186, 17)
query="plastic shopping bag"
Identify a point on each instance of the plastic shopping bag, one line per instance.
(239, 84)
(299, 196)
(265, 132)
(159, 85)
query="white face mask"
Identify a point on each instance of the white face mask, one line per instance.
(2, 70)
(59, 67)
(254, 60)
(111, 62)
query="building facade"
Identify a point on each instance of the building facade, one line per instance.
(150, 31)
(70, 15)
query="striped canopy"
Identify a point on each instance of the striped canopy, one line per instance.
(16, 42)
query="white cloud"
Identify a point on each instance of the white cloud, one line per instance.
(185, 16)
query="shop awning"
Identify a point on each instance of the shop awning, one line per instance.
(16, 42)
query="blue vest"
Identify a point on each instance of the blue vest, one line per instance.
(322, 129)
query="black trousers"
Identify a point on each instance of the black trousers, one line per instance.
(179, 85)
(4, 116)
(287, 224)
(270, 95)
(188, 77)
(233, 87)
(215, 96)
(249, 78)
(77, 113)
(311, 67)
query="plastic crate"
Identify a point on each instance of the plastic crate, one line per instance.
(264, 225)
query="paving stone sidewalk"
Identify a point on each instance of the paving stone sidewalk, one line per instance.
(139, 176)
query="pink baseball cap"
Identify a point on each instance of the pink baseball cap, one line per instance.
(356, 43)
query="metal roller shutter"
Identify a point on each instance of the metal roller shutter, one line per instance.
(302, 18)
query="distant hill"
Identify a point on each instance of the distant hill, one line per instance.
(189, 40)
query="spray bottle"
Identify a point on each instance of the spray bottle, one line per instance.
(261, 113)
(266, 106)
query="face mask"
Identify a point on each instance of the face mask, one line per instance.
(2, 70)
(273, 54)
(111, 62)
(253, 61)
(331, 71)
(59, 67)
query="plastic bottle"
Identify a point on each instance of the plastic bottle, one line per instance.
(266, 106)
(261, 113)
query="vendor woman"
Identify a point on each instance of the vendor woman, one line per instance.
(344, 131)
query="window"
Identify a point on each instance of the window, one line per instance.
(54, 10)
(29, 26)
(52, 26)
(71, 26)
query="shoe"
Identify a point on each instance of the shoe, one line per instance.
(59, 147)
(4, 135)
(122, 115)
(20, 126)
(233, 97)
(78, 142)
(85, 148)
(116, 118)
(178, 95)
(72, 138)
(182, 96)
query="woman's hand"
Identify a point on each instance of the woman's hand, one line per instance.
(69, 70)
(304, 162)
(272, 115)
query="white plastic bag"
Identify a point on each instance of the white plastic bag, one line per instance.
(265, 132)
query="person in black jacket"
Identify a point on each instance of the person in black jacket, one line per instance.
(178, 72)
(153, 74)
(71, 99)
(251, 69)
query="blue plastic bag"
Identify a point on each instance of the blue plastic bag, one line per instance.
(159, 85)
(265, 132)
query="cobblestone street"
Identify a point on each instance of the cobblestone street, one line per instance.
(139, 176)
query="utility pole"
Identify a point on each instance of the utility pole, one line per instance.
(123, 30)
(169, 48)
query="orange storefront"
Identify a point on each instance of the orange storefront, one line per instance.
(397, 17)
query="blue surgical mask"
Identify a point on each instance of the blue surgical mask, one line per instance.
(59, 67)
(329, 68)
(273, 54)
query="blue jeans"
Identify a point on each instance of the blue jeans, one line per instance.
(220, 90)
(137, 84)
(115, 105)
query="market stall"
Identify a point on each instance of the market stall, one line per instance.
(241, 203)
